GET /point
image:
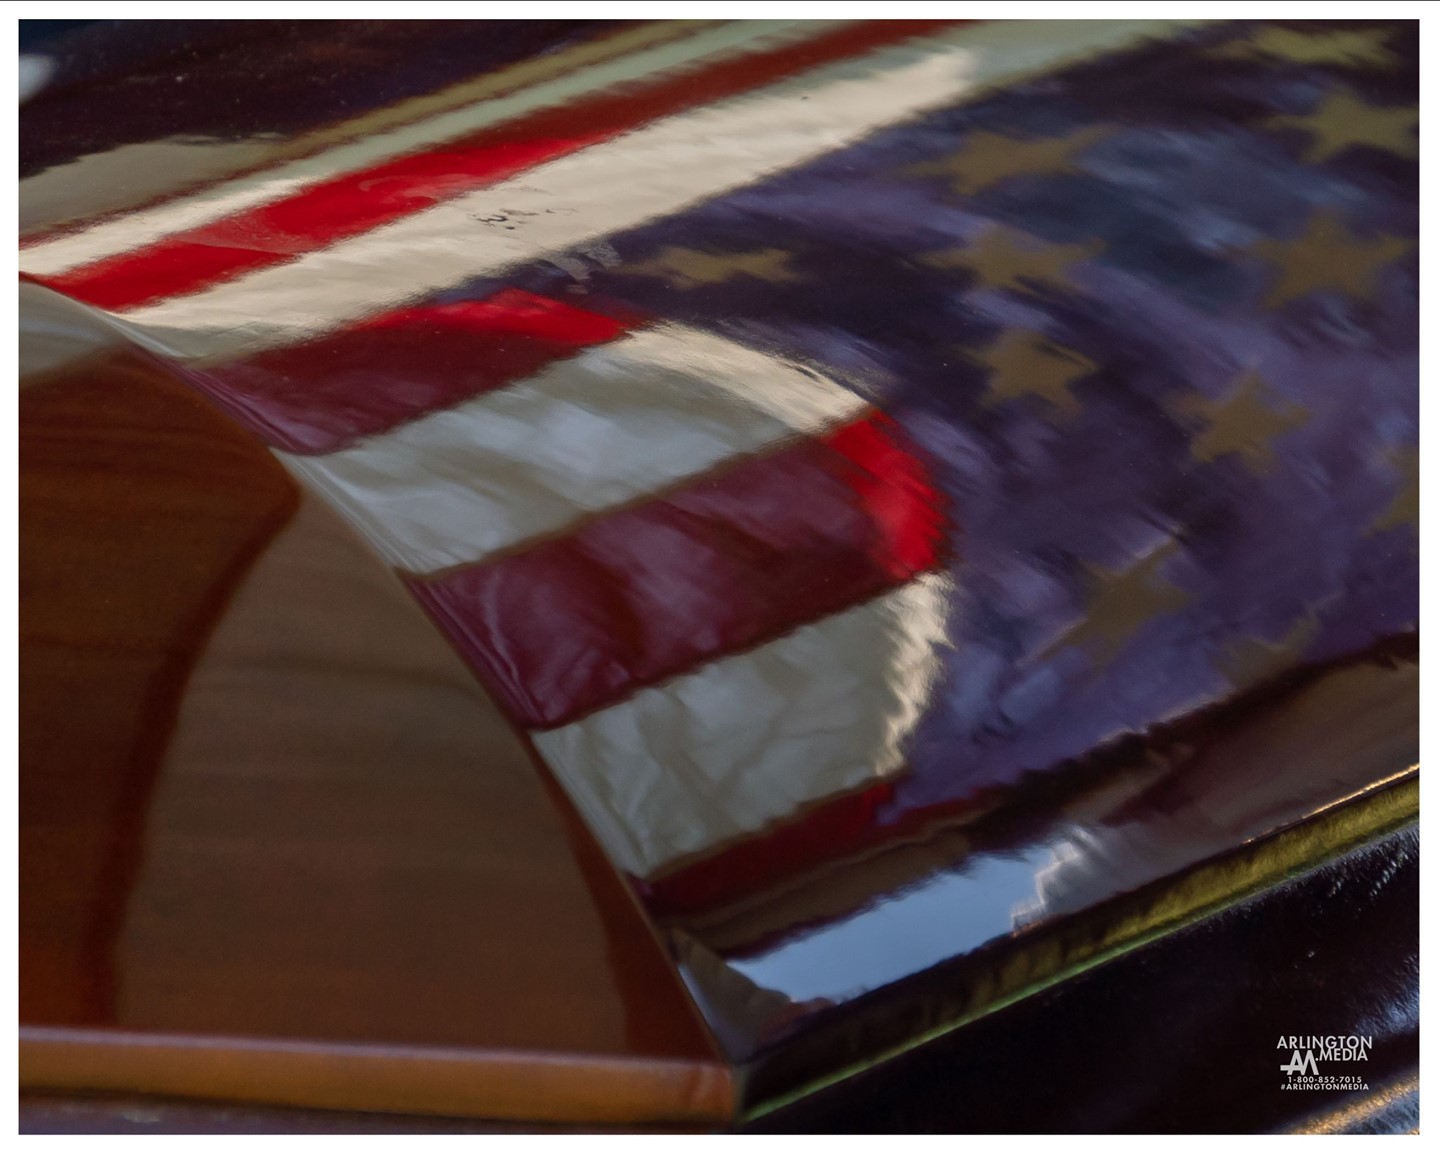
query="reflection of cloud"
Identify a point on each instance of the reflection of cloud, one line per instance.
(1063, 856)
(35, 73)
(1337, 736)
(1334, 739)
(948, 914)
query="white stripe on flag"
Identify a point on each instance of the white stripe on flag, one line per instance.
(721, 752)
(112, 237)
(612, 424)
(125, 175)
(649, 173)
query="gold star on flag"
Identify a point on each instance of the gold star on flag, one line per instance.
(1405, 507)
(988, 158)
(687, 268)
(1024, 363)
(1241, 423)
(1327, 256)
(1000, 260)
(1120, 604)
(1247, 662)
(1341, 121)
(1357, 48)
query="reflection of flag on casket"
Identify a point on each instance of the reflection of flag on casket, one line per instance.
(833, 422)
(697, 573)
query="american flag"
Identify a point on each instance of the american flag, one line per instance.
(803, 426)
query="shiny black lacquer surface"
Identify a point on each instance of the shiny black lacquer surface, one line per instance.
(1181, 1036)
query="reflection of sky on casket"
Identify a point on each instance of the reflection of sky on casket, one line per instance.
(950, 914)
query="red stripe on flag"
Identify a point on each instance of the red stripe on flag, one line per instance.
(757, 863)
(842, 827)
(577, 623)
(894, 491)
(356, 202)
(319, 396)
(836, 829)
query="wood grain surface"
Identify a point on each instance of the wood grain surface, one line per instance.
(276, 845)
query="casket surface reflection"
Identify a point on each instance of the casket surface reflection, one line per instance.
(768, 575)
